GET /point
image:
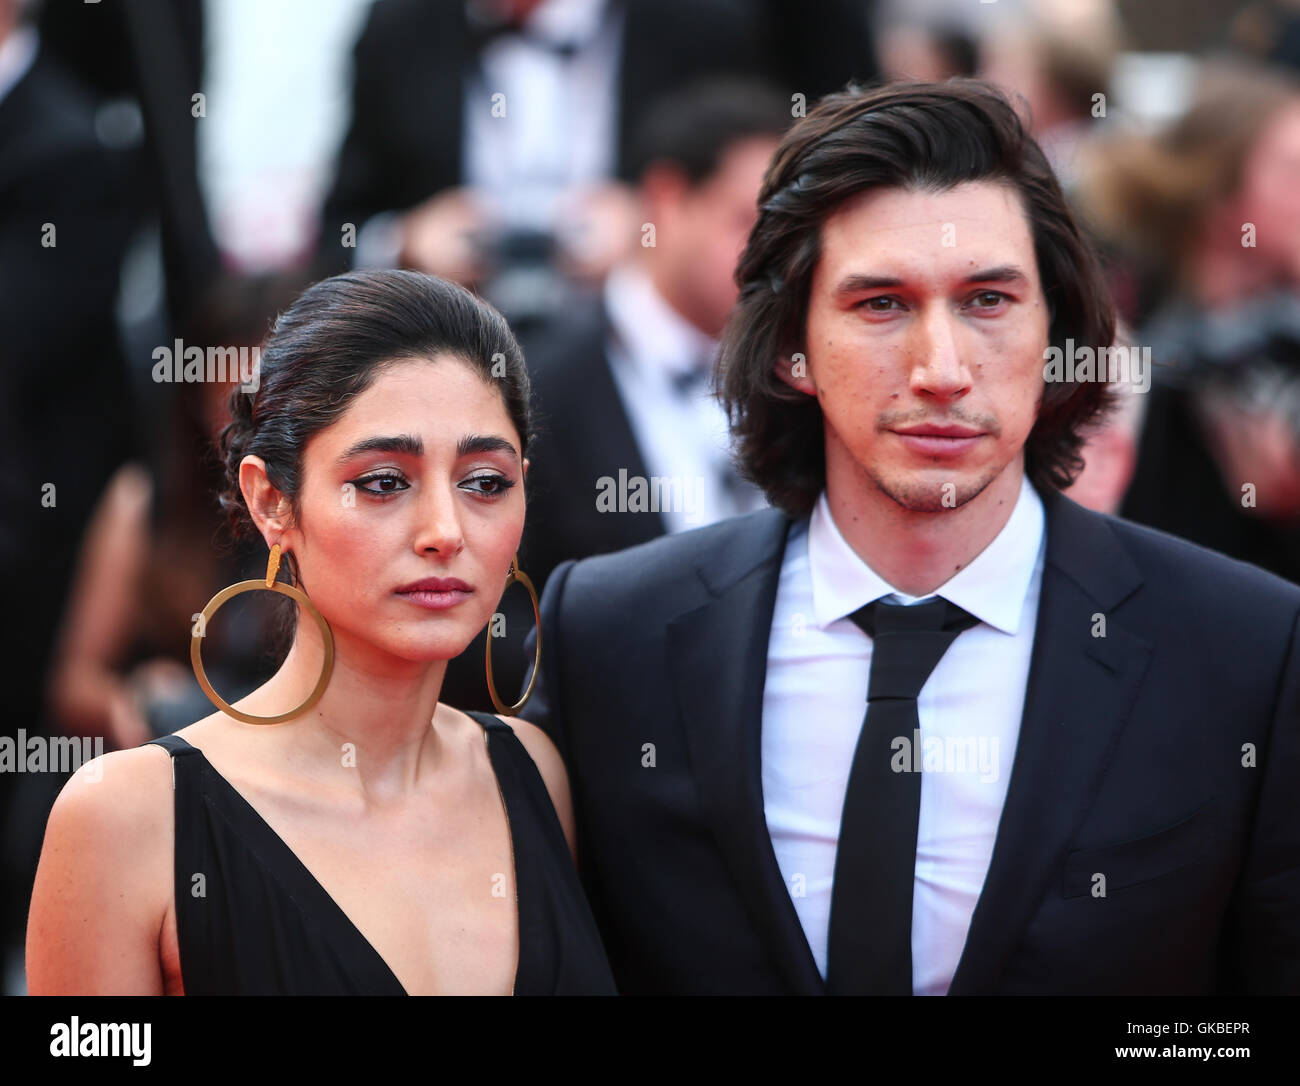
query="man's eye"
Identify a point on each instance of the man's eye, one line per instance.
(992, 299)
(381, 484)
(870, 303)
(488, 485)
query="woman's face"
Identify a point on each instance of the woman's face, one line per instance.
(412, 506)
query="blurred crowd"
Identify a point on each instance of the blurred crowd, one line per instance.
(173, 172)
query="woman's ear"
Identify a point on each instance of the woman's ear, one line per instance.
(266, 505)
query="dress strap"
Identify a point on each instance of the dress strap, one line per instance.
(490, 721)
(518, 774)
(190, 767)
(172, 744)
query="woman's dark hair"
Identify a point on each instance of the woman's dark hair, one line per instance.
(924, 136)
(191, 551)
(330, 345)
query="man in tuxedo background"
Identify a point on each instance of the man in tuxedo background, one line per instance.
(621, 380)
(926, 726)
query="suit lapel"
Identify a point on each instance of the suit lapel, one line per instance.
(613, 444)
(1080, 692)
(591, 429)
(717, 657)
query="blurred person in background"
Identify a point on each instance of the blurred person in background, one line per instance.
(1268, 30)
(621, 379)
(1059, 59)
(154, 555)
(1210, 210)
(66, 419)
(490, 142)
(623, 384)
(929, 51)
(1110, 447)
(142, 61)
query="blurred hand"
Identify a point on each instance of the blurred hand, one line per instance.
(126, 726)
(597, 226)
(442, 237)
(1256, 446)
(152, 681)
(1109, 460)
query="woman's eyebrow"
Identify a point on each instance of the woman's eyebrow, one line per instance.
(408, 444)
(481, 443)
(411, 445)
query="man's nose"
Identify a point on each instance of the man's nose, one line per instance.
(938, 368)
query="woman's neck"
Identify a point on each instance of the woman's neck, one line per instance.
(375, 720)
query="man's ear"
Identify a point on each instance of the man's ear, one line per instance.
(662, 188)
(266, 505)
(795, 372)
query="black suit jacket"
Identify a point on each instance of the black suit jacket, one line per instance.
(66, 413)
(581, 434)
(1129, 764)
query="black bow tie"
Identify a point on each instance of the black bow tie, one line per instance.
(483, 30)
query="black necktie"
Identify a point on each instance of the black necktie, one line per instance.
(869, 949)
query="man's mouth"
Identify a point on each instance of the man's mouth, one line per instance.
(939, 439)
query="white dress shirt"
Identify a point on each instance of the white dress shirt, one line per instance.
(969, 710)
(682, 433)
(560, 122)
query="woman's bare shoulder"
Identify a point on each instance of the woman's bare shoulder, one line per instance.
(103, 884)
(124, 792)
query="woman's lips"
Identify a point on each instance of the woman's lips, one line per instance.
(436, 593)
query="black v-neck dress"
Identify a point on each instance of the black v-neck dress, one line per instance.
(252, 920)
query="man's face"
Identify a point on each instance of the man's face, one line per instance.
(1269, 195)
(706, 227)
(925, 314)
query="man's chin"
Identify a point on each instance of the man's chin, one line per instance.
(922, 493)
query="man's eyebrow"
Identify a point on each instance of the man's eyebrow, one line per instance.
(407, 444)
(1002, 273)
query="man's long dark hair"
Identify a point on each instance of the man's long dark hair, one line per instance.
(924, 136)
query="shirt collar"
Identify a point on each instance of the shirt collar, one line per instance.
(651, 332)
(992, 587)
(566, 21)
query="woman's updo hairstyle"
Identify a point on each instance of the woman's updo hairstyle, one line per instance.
(328, 347)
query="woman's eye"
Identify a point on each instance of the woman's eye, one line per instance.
(489, 485)
(381, 484)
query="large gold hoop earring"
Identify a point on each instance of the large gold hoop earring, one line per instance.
(271, 584)
(516, 574)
